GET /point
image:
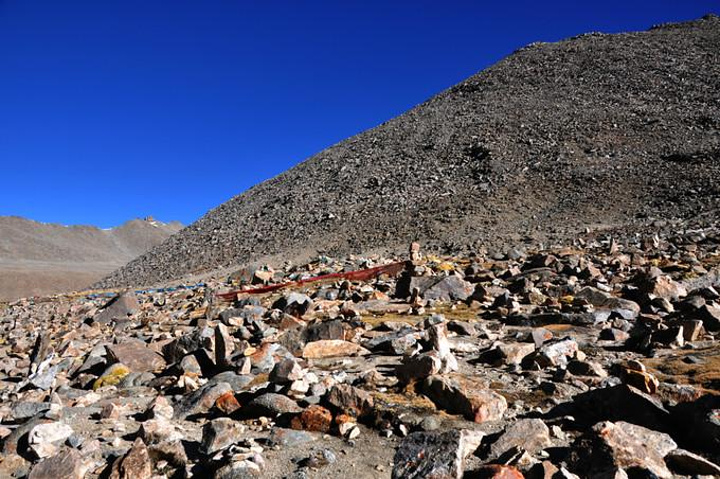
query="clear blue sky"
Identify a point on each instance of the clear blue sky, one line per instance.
(115, 109)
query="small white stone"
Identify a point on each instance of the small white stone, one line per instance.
(87, 399)
(43, 439)
(345, 428)
(160, 408)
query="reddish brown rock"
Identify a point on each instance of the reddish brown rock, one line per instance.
(314, 418)
(531, 435)
(641, 380)
(227, 403)
(172, 452)
(544, 470)
(155, 431)
(286, 371)
(496, 471)
(329, 348)
(693, 329)
(461, 396)
(66, 464)
(13, 465)
(135, 355)
(110, 411)
(420, 366)
(350, 400)
(202, 400)
(658, 285)
(134, 465)
(224, 345)
(290, 323)
(613, 447)
(219, 434)
(273, 405)
(514, 353)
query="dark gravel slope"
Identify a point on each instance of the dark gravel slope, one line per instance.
(598, 130)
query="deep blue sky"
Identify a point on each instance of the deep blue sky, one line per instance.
(114, 109)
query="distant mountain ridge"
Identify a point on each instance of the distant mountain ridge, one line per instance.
(43, 258)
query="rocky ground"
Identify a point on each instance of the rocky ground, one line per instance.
(598, 360)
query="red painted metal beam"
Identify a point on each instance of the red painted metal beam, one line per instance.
(392, 269)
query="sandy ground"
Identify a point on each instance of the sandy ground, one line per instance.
(37, 278)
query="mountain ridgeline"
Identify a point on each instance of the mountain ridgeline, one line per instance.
(41, 258)
(597, 131)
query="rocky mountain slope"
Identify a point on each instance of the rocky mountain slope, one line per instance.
(38, 258)
(596, 131)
